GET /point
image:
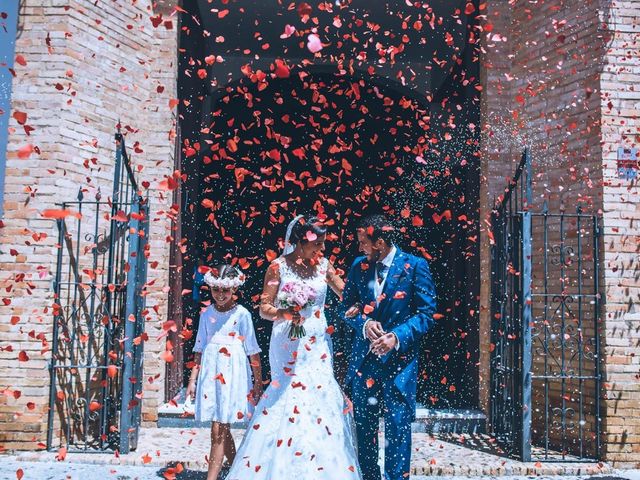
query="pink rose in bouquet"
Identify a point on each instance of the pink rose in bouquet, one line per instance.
(296, 295)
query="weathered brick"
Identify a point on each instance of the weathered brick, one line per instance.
(567, 127)
(80, 130)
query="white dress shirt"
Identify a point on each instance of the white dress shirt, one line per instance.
(378, 287)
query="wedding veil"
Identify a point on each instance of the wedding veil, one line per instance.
(288, 248)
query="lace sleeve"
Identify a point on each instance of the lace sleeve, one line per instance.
(282, 265)
(324, 267)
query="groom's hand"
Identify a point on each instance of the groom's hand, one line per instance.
(373, 330)
(384, 344)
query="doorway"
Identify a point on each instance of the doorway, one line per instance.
(263, 147)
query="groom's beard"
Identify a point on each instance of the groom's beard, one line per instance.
(374, 256)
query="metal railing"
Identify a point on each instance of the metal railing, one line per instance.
(96, 360)
(545, 312)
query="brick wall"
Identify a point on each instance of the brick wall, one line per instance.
(542, 71)
(87, 67)
(542, 66)
(565, 86)
(495, 71)
(620, 104)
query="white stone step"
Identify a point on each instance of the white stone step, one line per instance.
(428, 420)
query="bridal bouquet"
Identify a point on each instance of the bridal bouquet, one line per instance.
(298, 296)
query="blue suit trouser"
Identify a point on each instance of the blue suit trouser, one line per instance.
(374, 393)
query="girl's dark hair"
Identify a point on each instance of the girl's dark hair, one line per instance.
(224, 270)
(378, 226)
(304, 225)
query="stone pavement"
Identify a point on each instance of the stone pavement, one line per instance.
(83, 471)
(449, 456)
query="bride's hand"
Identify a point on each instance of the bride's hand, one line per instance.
(353, 311)
(349, 405)
(292, 315)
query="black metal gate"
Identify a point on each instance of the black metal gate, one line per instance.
(98, 329)
(545, 311)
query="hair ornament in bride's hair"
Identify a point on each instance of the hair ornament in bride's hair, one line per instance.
(227, 277)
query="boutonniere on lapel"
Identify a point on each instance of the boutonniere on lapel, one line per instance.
(407, 269)
(402, 271)
(364, 265)
(392, 282)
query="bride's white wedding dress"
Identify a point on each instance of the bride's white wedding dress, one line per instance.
(300, 429)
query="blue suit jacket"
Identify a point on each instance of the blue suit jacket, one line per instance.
(406, 309)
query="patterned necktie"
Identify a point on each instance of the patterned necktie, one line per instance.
(382, 269)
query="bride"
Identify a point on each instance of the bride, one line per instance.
(301, 428)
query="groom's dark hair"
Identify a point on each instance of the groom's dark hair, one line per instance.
(378, 226)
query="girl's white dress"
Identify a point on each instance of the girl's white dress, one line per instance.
(225, 339)
(301, 428)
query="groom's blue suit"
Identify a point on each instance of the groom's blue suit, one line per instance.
(406, 308)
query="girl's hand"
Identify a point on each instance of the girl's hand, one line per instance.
(191, 390)
(256, 392)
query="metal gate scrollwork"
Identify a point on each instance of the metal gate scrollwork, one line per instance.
(545, 313)
(98, 310)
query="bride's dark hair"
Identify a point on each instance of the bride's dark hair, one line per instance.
(304, 225)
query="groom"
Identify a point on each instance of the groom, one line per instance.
(397, 301)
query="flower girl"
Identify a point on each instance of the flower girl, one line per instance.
(223, 375)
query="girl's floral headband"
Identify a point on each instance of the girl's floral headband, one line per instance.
(224, 282)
